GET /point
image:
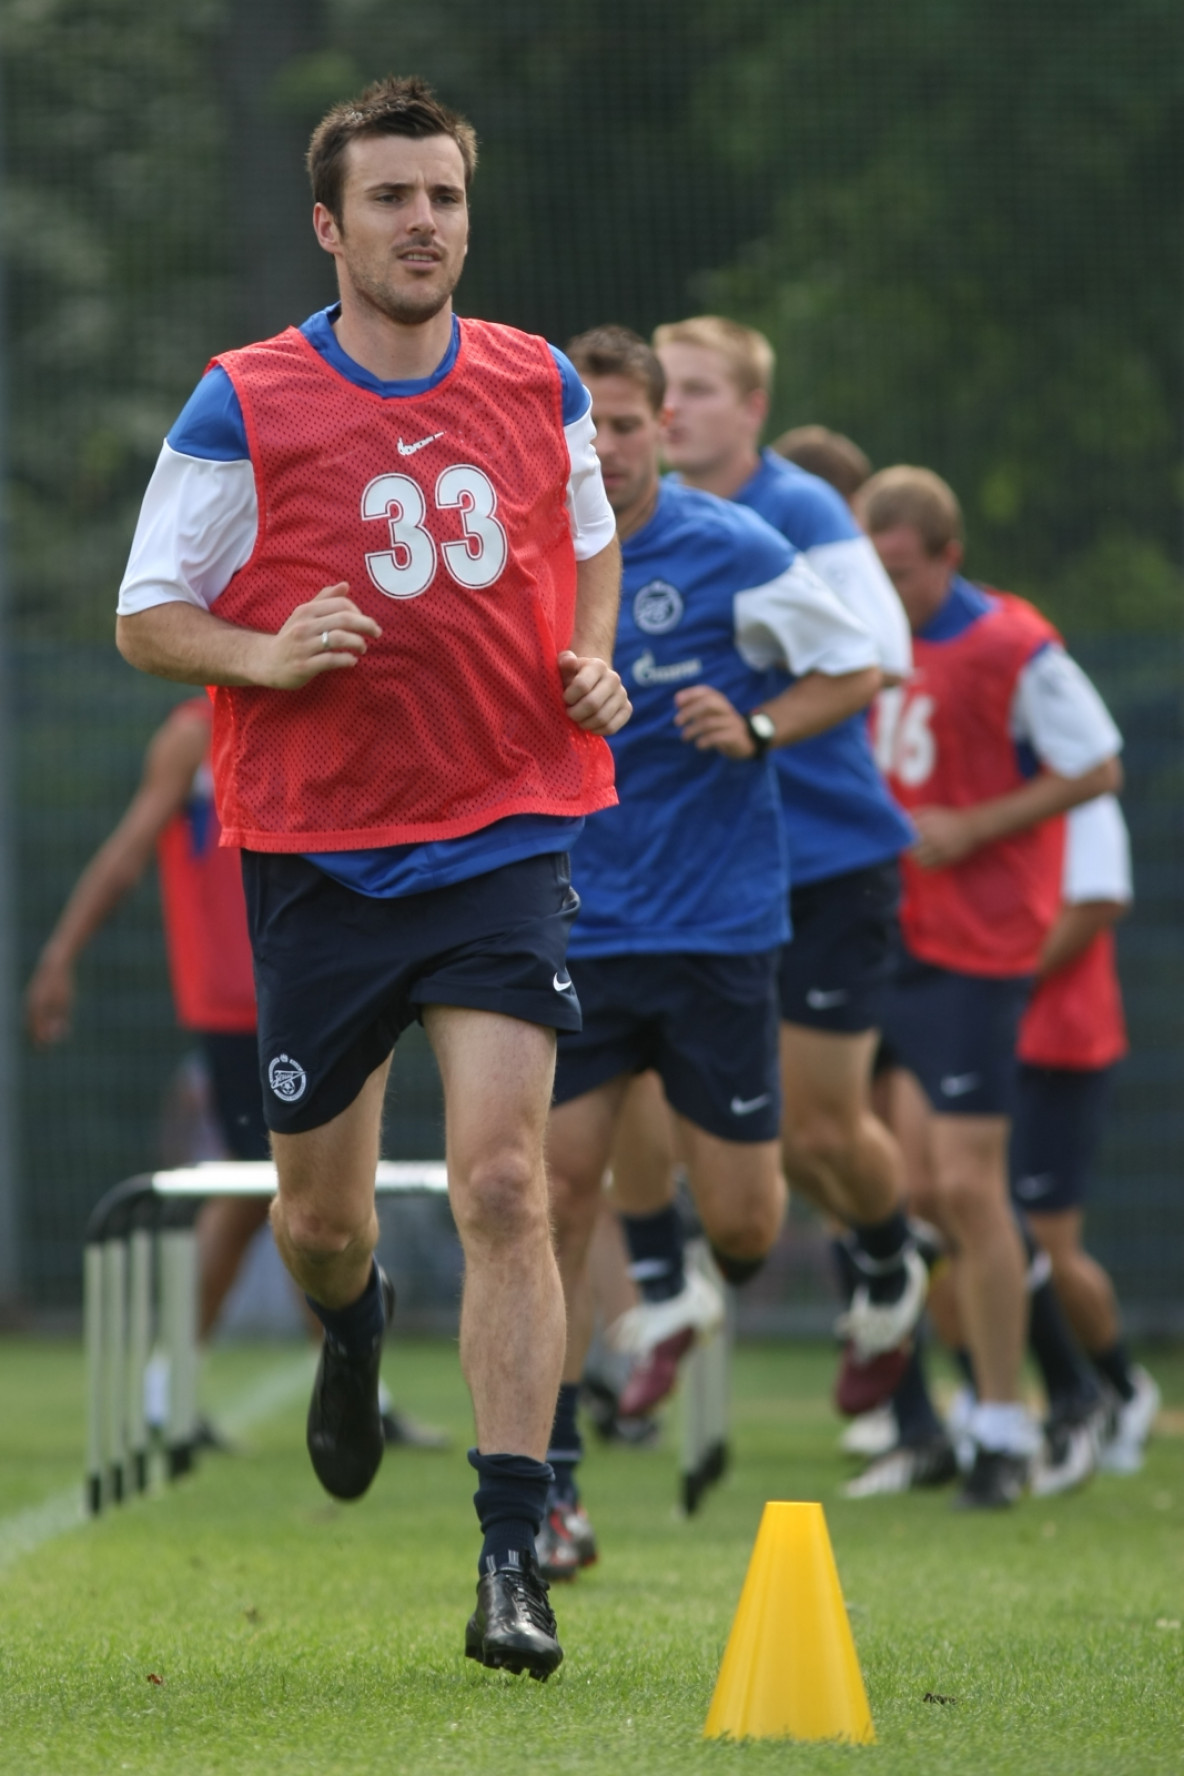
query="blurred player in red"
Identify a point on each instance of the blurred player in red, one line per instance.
(996, 734)
(1072, 1037)
(205, 921)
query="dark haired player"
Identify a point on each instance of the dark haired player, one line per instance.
(683, 886)
(383, 538)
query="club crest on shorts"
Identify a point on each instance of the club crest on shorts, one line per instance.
(657, 608)
(287, 1078)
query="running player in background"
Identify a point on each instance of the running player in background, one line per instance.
(383, 538)
(209, 954)
(845, 835)
(1072, 1037)
(996, 734)
(683, 886)
(830, 455)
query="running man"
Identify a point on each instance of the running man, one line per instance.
(996, 734)
(1072, 1037)
(384, 539)
(845, 835)
(683, 887)
(209, 952)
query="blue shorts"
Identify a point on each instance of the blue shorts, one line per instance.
(957, 1033)
(340, 975)
(707, 1024)
(232, 1061)
(1060, 1112)
(837, 969)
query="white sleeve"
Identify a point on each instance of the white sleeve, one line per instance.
(1060, 715)
(1097, 853)
(855, 574)
(593, 524)
(197, 527)
(796, 621)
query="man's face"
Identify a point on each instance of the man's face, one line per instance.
(706, 420)
(404, 228)
(921, 579)
(627, 435)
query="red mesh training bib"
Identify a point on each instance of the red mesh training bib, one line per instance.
(952, 748)
(1075, 1018)
(446, 514)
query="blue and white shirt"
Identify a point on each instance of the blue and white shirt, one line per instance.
(197, 528)
(694, 858)
(838, 811)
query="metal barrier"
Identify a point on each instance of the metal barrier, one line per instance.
(140, 1291)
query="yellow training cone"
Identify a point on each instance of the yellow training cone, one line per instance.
(790, 1669)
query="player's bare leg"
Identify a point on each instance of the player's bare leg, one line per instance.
(579, 1140)
(225, 1228)
(1086, 1292)
(837, 1152)
(497, 1074)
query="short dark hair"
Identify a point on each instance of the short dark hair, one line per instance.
(399, 105)
(618, 351)
(830, 455)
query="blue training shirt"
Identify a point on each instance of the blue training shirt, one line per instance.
(210, 425)
(693, 859)
(839, 813)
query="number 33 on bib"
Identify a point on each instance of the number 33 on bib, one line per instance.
(446, 514)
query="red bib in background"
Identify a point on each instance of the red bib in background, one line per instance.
(943, 740)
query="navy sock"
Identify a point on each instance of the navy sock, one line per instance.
(567, 1445)
(845, 1268)
(356, 1327)
(510, 1500)
(1067, 1381)
(962, 1358)
(916, 1419)
(736, 1271)
(879, 1255)
(1114, 1365)
(656, 1252)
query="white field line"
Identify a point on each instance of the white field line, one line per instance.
(25, 1531)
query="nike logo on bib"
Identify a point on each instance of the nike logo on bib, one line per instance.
(410, 449)
(746, 1106)
(563, 986)
(820, 1000)
(956, 1085)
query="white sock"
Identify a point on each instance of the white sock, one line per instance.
(1003, 1428)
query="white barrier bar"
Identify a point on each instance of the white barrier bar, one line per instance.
(256, 1177)
(93, 1327)
(139, 1338)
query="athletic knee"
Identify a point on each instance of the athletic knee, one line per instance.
(973, 1206)
(317, 1233)
(820, 1146)
(501, 1199)
(746, 1232)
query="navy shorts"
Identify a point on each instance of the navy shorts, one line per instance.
(957, 1033)
(707, 1024)
(836, 971)
(232, 1061)
(1060, 1112)
(340, 975)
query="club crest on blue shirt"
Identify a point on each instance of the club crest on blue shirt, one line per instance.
(657, 608)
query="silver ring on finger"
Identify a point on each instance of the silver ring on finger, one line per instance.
(324, 641)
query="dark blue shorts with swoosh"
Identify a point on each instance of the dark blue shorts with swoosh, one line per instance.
(837, 969)
(1060, 1115)
(708, 1024)
(957, 1033)
(340, 975)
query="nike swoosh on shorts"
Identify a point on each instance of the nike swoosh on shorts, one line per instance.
(956, 1085)
(746, 1106)
(822, 999)
(563, 986)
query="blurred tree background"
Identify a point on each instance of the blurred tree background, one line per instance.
(959, 221)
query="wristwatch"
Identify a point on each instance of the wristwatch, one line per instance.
(762, 729)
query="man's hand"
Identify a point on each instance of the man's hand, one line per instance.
(944, 836)
(49, 1002)
(711, 723)
(325, 634)
(596, 699)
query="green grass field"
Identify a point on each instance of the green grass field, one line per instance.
(295, 1635)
